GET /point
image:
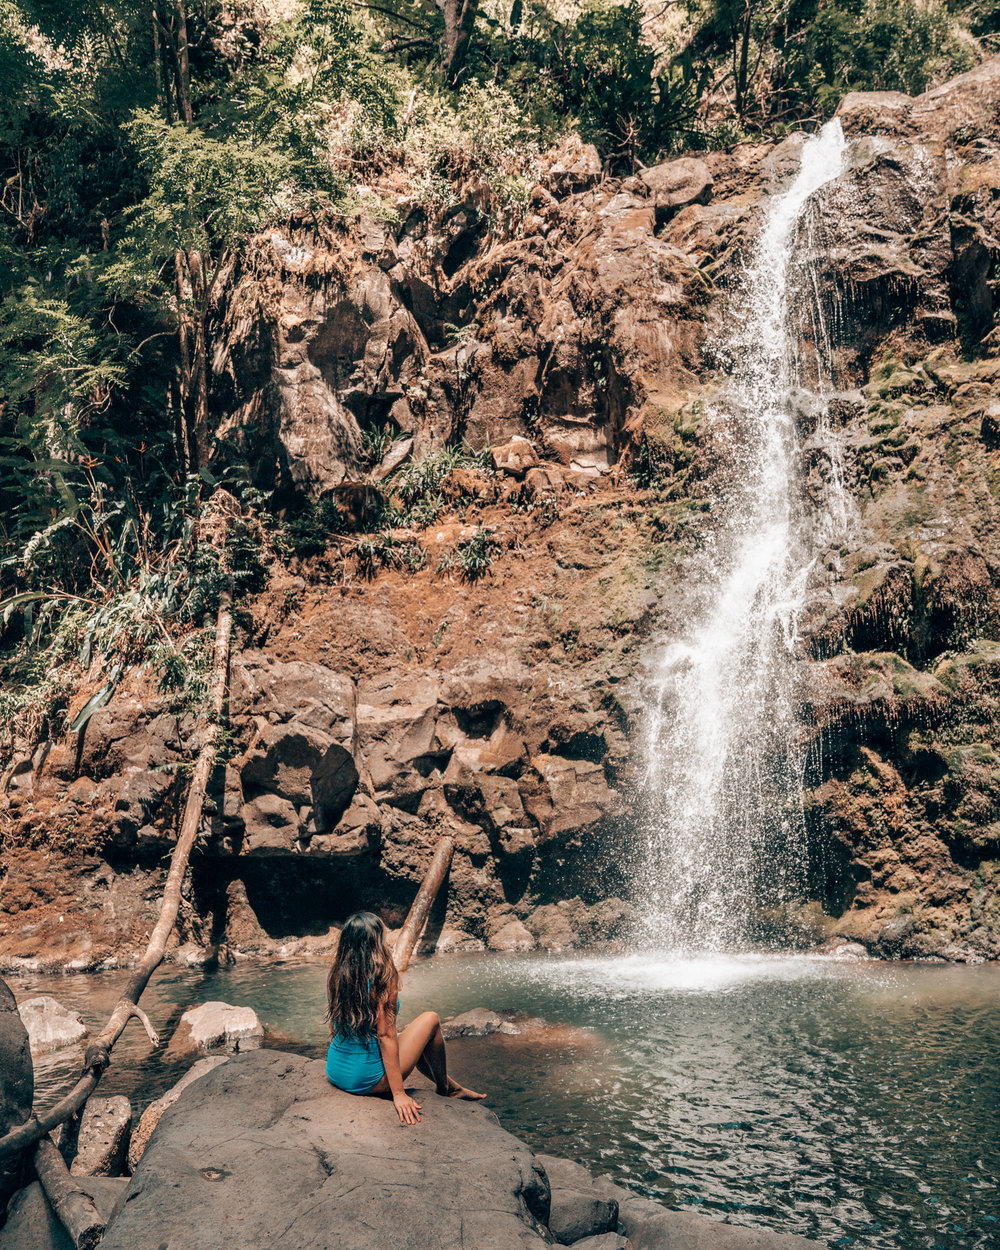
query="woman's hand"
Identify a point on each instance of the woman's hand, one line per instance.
(407, 1109)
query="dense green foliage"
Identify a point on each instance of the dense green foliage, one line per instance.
(143, 142)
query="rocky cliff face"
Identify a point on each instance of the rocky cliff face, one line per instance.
(393, 687)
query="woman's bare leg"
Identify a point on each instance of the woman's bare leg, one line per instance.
(422, 1045)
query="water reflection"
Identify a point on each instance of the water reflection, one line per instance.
(857, 1103)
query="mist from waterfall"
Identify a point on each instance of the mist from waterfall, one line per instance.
(724, 823)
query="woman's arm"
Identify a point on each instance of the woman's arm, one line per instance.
(407, 1108)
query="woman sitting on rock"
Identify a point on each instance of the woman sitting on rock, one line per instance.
(366, 1054)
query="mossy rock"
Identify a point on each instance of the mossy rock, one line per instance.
(959, 759)
(901, 381)
(889, 673)
(953, 669)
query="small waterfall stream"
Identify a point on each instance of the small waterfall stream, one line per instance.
(725, 830)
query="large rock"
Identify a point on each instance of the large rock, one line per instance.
(511, 935)
(303, 767)
(295, 690)
(151, 1116)
(567, 796)
(573, 166)
(17, 1082)
(262, 1152)
(32, 1225)
(676, 183)
(961, 107)
(50, 1025)
(216, 1026)
(578, 1209)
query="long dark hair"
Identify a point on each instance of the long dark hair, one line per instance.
(363, 977)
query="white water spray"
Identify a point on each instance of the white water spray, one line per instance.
(725, 825)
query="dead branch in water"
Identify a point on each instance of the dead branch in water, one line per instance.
(98, 1053)
(422, 904)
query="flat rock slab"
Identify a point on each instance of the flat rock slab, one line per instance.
(651, 1227)
(264, 1152)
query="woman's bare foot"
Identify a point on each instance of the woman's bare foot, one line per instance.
(459, 1091)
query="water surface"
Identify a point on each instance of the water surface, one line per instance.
(858, 1103)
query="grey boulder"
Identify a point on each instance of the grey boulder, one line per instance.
(50, 1025)
(17, 1082)
(579, 1209)
(151, 1116)
(646, 1224)
(263, 1152)
(676, 183)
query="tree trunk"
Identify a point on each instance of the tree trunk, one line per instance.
(459, 22)
(422, 904)
(187, 339)
(183, 66)
(199, 360)
(741, 72)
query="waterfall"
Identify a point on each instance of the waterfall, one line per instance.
(724, 823)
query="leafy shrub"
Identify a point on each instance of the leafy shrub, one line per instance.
(383, 551)
(473, 556)
(416, 489)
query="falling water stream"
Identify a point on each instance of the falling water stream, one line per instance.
(725, 827)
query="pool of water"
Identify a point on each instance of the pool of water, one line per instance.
(858, 1103)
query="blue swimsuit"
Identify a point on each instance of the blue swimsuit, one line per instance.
(354, 1064)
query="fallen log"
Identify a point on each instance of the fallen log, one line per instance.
(98, 1053)
(75, 1209)
(422, 904)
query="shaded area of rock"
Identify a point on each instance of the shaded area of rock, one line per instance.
(50, 1025)
(578, 1209)
(32, 1225)
(216, 1026)
(151, 1116)
(263, 1148)
(17, 1083)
